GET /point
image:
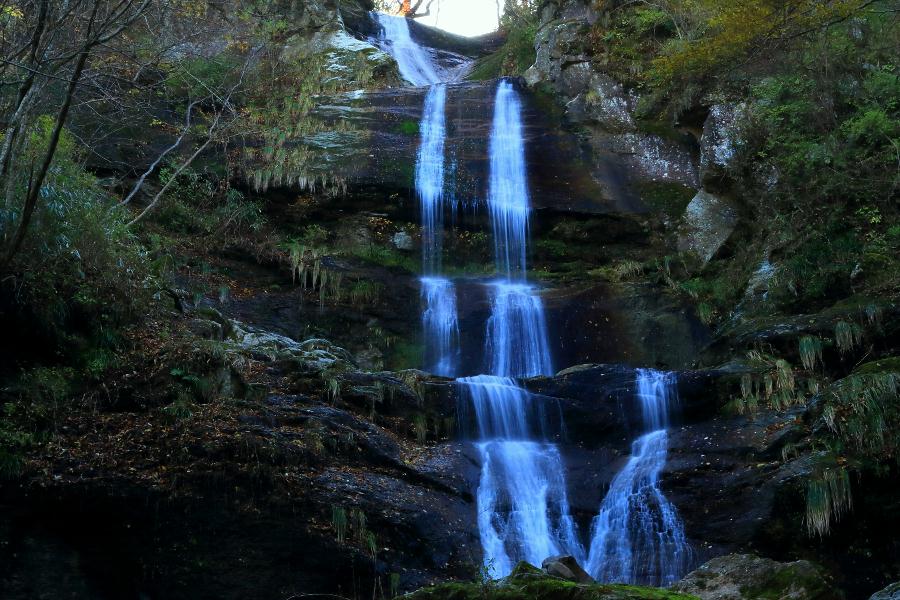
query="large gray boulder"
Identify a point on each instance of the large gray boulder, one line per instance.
(748, 577)
(719, 140)
(707, 223)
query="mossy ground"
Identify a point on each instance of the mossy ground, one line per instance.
(543, 588)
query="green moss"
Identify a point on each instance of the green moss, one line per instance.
(890, 364)
(408, 128)
(669, 198)
(531, 585)
(791, 577)
(406, 355)
(513, 58)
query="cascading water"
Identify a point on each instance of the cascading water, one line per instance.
(517, 332)
(439, 322)
(508, 191)
(414, 62)
(430, 176)
(523, 508)
(439, 319)
(516, 337)
(637, 536)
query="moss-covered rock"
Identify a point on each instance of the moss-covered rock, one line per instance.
(749, 577)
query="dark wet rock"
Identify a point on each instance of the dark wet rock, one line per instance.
(891, 592)
(708, 222)
(565, 567)
(369, 140)
(746, 577)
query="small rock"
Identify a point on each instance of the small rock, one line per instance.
(566, 567)
(402, 240)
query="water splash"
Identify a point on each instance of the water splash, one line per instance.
(523, 507)
(637, 536)
(508, 192)
(414, 62)
(439, 321)
(517, 343)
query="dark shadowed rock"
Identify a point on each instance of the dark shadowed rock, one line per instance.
(566, 567)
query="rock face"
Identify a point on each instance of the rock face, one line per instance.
(707, 224)
(747, 577)
(626, 156)
(718, 141)
(369, 140)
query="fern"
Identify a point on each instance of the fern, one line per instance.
(864, 411)
(847, 335)
(810, 351)
(339, 523)
(828, 498)
(628, 269)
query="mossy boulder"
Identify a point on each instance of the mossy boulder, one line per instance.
(749, 577)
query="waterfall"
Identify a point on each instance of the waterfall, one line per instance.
(516, 337)
(414, 62)
(439, 322)
(430, 176)
(523, 507)
(508, 189)
(517, 332)
(637, 536)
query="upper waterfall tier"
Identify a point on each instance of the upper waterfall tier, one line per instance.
(415, 63)
(430, 176)
(508, 198)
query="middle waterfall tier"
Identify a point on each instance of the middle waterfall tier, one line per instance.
(517, 343)
(441, 329)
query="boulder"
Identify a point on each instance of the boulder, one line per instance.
(891, 592)
(566, 567)
(707, 223)
(402, 240)
(718, 141)
(746, 577)
(600, 99)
